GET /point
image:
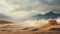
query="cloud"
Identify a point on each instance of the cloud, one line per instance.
(25, 8)
(52, 2)
(24, 4)
(2, 16)
(29, 5)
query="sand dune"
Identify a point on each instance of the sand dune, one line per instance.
(10, 28)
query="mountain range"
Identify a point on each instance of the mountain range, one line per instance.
(46, 16)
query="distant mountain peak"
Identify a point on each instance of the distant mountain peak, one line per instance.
(50, 13)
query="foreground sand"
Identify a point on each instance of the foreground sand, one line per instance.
(39, 31)
(29, 32)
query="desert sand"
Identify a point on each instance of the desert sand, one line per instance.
(11, 29)
(39, 31)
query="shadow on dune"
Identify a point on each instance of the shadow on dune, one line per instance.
(55, 29)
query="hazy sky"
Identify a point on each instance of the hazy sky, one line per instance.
(22, 9)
